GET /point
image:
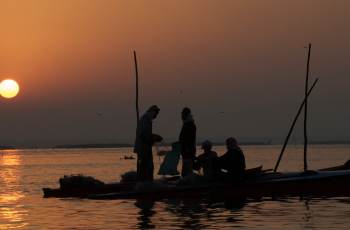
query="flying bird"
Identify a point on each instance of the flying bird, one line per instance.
(99, 114)
(181, 91)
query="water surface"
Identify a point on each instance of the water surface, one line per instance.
(23, 174)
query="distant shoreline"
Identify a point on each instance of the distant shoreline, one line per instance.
(89, 146)
(240, 143)
(123, 145)
(6, 148)
(249, 143)
(328, 143)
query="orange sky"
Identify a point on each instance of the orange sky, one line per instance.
(73, 59)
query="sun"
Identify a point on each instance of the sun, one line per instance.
(9, 88)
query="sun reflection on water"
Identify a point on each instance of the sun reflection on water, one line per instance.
(11, 215)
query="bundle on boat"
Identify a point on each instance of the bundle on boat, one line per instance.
(78, 180)
(170, 162)
(129, 177)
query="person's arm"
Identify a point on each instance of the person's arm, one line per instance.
(220, 161)
(197, 165)
(157, 137)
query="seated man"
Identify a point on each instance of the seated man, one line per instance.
(233, 161)
(203, 160)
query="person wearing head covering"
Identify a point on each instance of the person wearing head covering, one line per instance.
(187, 139)
(143, 144)
(204, 159)
(233, 161)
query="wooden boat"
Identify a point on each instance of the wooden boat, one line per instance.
(118, 187)
(309, 183)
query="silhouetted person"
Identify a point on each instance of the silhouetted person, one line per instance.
(233, 161)
(187, 139)
(204, 160)
(143, 144)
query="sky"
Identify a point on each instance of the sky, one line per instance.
(240, 66)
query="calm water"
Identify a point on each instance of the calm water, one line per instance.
(23, 173)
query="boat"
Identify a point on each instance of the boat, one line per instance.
(84, 192)
(308, 183)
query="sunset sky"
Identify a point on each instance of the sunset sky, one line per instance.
(73, 59)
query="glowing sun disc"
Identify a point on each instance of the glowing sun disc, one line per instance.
(9, 88)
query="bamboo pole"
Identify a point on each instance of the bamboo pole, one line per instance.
(137, 90)
(292, 127)
(305, 108)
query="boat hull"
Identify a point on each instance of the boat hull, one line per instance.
(320, 184)
(327, 184)
(118, 187)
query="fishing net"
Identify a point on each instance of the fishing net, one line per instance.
(76, 181)
(162, 153)
(170, 162)
(129, 176)
(192, 179)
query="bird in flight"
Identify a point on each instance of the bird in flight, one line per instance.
(99, 114)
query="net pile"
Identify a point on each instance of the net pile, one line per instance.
(76, 181)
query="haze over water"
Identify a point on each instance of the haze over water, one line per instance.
(25, 172)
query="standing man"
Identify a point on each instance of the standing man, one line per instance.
(143, 144)
(187, 139)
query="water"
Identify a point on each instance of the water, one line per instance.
(23, 173)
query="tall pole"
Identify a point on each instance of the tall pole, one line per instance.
(305, 108)
(137, 90)
(291, 129)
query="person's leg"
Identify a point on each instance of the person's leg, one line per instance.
(187, 167)
(150, 166)
(138, 167)
(146, 167)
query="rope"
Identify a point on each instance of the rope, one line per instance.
(156, 150)
(164, 145)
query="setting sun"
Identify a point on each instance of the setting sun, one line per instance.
(9, 88)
